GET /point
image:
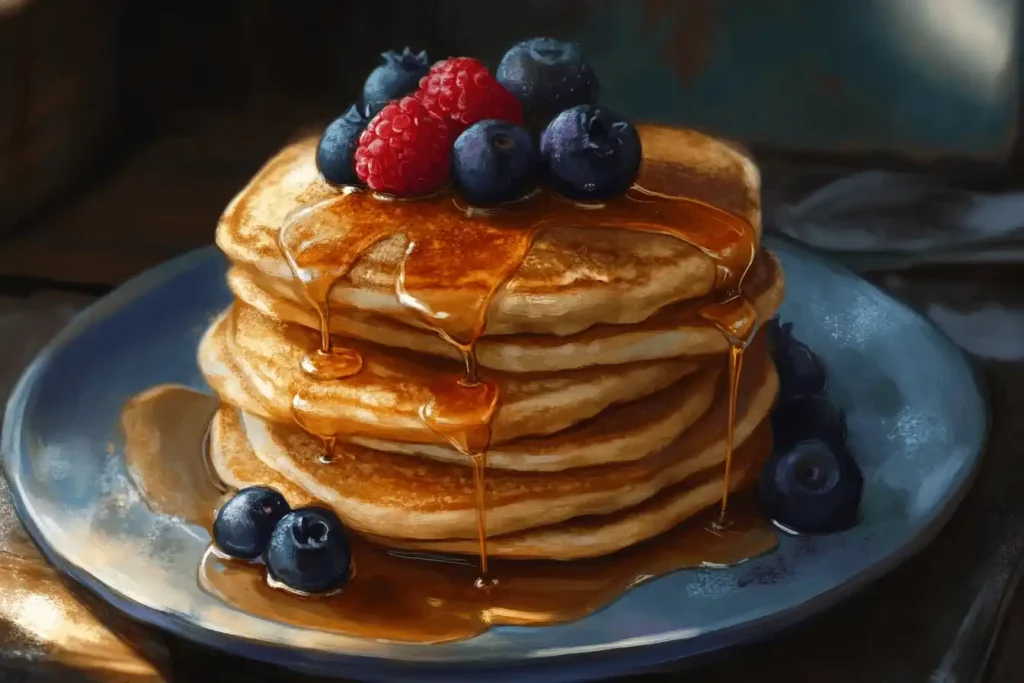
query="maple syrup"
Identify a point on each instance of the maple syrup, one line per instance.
(461, 412)
(412, 596)
(165, 433)
(457, 258)
(417, 597)
(335, 363)
(327, 457)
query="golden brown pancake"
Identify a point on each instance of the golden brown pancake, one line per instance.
(674, 331)
(629, 431)
(393, 495)
(575, 275)
(253, 362)
(574, 539)
(623, 432)
(595, 535)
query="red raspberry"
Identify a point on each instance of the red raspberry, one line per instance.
(462, 91)
(404, 150)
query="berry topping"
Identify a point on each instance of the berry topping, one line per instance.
(243, 526)
(462, 91)
(404, 150)
(590, 153)
(547, 76)
(309, 551)
(814, 487)
(398, 76)
(801, 372)
(494, 161)
(807, 417)
(335, 153)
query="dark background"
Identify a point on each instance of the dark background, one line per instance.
(126, 126)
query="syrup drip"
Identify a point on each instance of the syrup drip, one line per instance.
(327, 457)
(412, 596)
(461, 412)
(335, 363)
(455, 262)
(735, 317)
(735, 370)
(297, 242)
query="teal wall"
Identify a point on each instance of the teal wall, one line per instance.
(916, 77)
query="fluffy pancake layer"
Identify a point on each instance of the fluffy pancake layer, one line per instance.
(623, 432)
(596, 535)
(392, 495)
(574, 539)
(253, 362)
(573, 277)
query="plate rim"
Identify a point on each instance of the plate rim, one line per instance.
(730, 634)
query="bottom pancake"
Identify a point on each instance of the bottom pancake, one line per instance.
(394, 495)
(578, 538)
(597, 535)
(432, 504)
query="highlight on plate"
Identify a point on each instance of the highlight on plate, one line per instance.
(497, 354)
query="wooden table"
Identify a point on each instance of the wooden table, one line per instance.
(897, 630)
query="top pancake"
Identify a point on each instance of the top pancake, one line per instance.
(574, 275)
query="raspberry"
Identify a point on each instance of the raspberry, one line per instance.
(461, 91)
(404, 149)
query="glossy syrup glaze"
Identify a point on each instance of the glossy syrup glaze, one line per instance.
(165, 432)
(474, 252)
(421, 598)
(411, 596)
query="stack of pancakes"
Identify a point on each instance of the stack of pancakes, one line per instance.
(611, 426)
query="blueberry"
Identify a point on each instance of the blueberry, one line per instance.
(398, 76)
(807, 417)
(243, 526)
(801, 372)
(335, 153)
(813, 487)
(309, 551)
(590, 153)
(494, 161)
(547, 76)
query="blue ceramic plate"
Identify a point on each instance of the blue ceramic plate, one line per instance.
(917, 421)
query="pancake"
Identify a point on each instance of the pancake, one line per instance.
(612, 421)
(253, 362)
(574, 539)
(674, 331)
(393, 495)
(574, 276)
(596, 535)
(624, 432)
(629, 431)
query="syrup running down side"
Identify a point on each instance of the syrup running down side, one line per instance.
(414, 597)
(458, 258)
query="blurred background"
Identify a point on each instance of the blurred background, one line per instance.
(125, 127)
